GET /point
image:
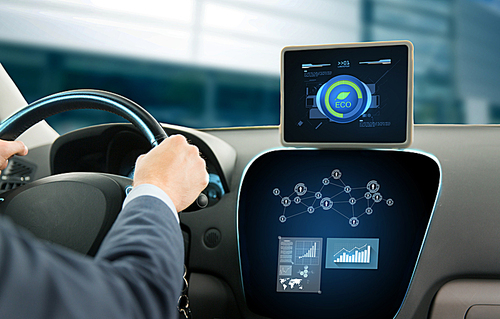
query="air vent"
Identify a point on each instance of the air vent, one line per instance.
(18, 173)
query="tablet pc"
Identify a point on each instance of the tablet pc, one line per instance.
(355, 95)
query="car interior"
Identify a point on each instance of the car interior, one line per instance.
(357, 179)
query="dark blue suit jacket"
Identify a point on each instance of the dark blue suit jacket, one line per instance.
(137, 272)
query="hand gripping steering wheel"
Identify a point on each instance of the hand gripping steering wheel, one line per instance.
(75, 210)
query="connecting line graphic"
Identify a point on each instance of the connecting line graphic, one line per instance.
(335, 186)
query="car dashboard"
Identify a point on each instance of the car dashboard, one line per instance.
(420, 225)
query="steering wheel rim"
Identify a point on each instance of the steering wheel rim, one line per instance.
(75, 210)
(18, 123)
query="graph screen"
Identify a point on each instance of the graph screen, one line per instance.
(352, 253)
(299, 264)
(357, 255)
(307, 252)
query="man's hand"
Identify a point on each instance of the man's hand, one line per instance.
(9, 149)
(176, 167)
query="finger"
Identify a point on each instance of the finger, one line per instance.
(178, 139)
(22, 148)
(139, 159)
(207, 179)
(4, 165)
(11, 148)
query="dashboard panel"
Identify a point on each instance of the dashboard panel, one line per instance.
(457, 269)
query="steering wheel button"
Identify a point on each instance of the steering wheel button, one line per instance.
(202, 200)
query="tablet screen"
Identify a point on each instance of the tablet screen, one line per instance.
(352, 95)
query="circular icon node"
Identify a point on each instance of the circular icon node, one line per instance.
(373, 186)
(285, 201)
(306, 275)
(354, 221)
(306, 267)
(326, 203)
(282, 218)
(389, 202)
(336, 173)
(368, 195)
(300, 189)
(276, 191)
(343, 99)
(318, 195)
(377, 197)
(326, 181)
(347, 189)
(310, 209)
(368, 210)
(297, 200)
(352, 201)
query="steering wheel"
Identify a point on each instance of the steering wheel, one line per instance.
(75, 210)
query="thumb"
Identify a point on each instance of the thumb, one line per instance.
(11, 148)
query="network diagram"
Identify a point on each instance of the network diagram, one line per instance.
(333, 196)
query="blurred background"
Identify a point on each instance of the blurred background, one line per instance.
(215, 63)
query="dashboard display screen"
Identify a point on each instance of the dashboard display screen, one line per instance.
(354, 95)
(326, 229)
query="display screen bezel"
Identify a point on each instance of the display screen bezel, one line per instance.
(287, 102)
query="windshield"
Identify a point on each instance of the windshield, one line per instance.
(215, 63)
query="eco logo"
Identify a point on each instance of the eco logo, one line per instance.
(343, 99)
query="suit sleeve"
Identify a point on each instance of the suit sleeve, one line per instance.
(137, 272)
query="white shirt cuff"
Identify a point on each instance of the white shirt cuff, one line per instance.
(151, 190)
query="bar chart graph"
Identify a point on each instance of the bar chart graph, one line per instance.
(352, 253)
(307, 252)
(360, 255)
(310, 253)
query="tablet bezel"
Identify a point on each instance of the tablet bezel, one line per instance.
(349, 145)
